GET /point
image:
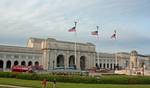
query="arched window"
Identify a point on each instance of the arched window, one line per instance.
(30, 63)
(1, 64)
(16, 63)
(23, 63)
(100, 65)
(104, 65)
(8, 64)
(72, 61)
(36, 63)
(60, 61)
(107, 65)
(111, 66)
(96, 65)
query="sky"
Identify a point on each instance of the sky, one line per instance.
(21, 19)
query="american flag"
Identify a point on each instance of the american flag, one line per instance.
(94, 33)
(114, 35)
(73, 29)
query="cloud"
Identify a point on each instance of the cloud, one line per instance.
(21, 19)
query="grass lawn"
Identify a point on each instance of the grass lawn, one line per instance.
(37, 84)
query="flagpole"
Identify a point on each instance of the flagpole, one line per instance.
(116, 59)
(75, 47)
(96, 42)
(116, 67)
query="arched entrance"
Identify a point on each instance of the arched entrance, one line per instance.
(36, 63)
(72, 61)
(104, 66)
(8, 64)
(16, 63)
(97, 65)
(29, 63)
(1, 65)
(107, 65)
(23, 63)
(82, 62)
(60, 61)
(111, 66)
(100, 65)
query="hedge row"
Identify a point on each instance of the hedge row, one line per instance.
(116, 79)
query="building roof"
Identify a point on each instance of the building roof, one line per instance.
(18, 49)
(60, 41)
(106, 55)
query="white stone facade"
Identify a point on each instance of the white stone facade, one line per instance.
(50, 53)
(62, 54)
(12, 55)
(53, 54)
(122, 60)
(105, 61)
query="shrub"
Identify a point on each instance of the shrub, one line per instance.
(109, 79)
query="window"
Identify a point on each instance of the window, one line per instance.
(23, 57)
(16, 56)
(107, 65)
(100, 65)
(103, 65)
(29, 57)
(107, 60)
(1, 56)
(36, 57)
(96, 59)
(8, 56)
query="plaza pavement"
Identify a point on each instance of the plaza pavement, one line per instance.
(13, 86)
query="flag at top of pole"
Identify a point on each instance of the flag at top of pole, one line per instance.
(95, 32)
(73, 29)
(114, 35)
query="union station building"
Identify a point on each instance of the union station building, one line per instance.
(50, 53)
(54, 54)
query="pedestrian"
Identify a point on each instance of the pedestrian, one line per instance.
(44, 83)
(54, 83)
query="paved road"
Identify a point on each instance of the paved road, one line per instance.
(13, 86)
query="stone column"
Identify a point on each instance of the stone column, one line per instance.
(91, 60)
(12, 63)
(19, 62)
(55, 59)
(52, 58)
(109, 64)
(133, 59)
(87, 62)
(45, 59)
(65, 60)
(4, 65)
(27, 62)
(102, 61)
(78, 61)
(112, 65)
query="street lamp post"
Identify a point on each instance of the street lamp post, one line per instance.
(143, 67)
(53, 64)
